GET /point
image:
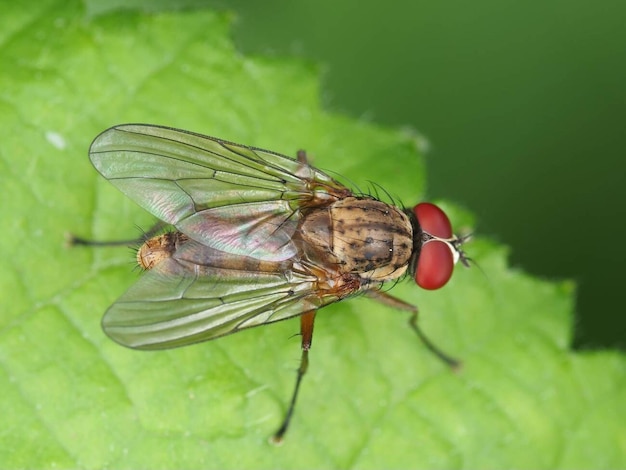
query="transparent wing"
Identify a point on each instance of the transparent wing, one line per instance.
(240, 200)
(180, 302)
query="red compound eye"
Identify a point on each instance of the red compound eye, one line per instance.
(436, 260)
(433, 220)
(435, 265)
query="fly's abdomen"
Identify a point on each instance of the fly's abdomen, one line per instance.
(194, 254)
(159, 248)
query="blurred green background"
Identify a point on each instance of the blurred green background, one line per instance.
(524, 106)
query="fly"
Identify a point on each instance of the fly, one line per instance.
(256, 237)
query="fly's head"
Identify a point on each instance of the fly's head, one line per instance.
(435, 248)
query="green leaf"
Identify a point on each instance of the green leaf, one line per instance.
(373, 397)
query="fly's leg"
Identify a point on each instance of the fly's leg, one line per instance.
(301, 157)
(394, 302)
(306, 330)
(73, 240)
(454, 363)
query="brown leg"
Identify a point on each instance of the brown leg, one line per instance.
(73, 240)
(390, 300)
(394, 302)
(301, 157)
(306, 329)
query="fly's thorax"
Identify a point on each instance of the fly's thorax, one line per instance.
(359, 235)
(158, 248)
